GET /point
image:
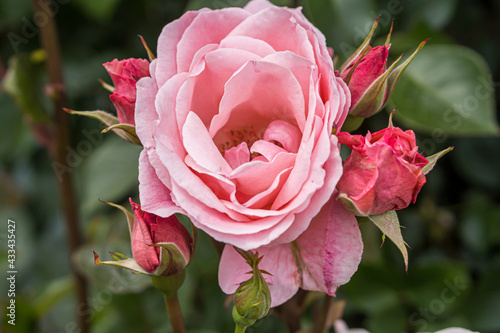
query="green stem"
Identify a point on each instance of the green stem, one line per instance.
(174, 313)
(239, 329)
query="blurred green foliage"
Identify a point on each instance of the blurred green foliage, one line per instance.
(445, 95)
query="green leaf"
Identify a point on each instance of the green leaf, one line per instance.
(447, 88)
(388, 223)
(109, 173)
(52, 293)
(21, 82)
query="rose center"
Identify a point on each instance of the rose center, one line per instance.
(235, 137)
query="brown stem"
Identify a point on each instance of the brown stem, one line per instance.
(174, 313)
(321, 323)
(291, 311)
(50, 43)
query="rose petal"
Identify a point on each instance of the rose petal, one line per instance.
(330, 248)
(271, 24)
(245, 43)
(153, 193)
(208, 27)
(200, 146)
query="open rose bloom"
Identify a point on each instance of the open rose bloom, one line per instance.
(236, 121)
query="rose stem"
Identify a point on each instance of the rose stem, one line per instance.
(49, 41)
(322, 320)
(174, 312)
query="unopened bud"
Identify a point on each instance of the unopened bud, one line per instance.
(252, 299)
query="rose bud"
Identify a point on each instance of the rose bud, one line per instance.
(370, 81)
(161, 246)
(252, 299)
(125, 74)
(383, 171)
(369, 68)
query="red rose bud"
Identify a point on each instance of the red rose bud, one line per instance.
(383, 173)
(370, 81)
(160, 245)
(367, 71)
(125, 74)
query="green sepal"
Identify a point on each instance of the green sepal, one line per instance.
(433, 159)
(396, 74)
(127, 129)
(360, 49)
(151, 56)
(350, 205)
(375, 96)
(171, 260)
(130, 216)
(124, 131)
(128, 263)
(388, 223)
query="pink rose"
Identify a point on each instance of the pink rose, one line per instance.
(125, 74)
(160, 245)
(367, 71)
(236, 122)
(383, 172)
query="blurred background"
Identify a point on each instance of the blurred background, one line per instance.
(448, 95)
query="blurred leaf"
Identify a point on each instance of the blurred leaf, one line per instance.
(11, 11)
(484, 305)
(433, 94)
(435, 13)
(345, 24)
(21, 82)
(388, 319)
(476, 160)
(479, 228)
(100, 10)
(51, 293)
(110, 173)
(11, 127)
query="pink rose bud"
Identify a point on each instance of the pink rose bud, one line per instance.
(125, 74)
(369, 79)
(383, 172)
(369, 68)
(160, 245)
